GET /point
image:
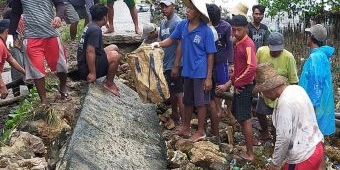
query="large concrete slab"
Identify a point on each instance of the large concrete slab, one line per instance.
(123, 25)
(115, 133)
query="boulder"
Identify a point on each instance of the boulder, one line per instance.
(30, 142)
(115, 133)
(206, 155)
(176, 158)
(184, 145)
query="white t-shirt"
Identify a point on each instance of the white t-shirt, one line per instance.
(297, 131)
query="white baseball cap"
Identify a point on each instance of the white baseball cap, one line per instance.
(168, 2)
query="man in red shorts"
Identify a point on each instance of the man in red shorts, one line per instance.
(41, 41)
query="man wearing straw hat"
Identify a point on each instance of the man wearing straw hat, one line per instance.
(299, 142)
(198, 48)
(285, 64)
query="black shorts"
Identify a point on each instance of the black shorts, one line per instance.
(241, 105)
(175, 85)
(262, 108)
(194, 94)
(102, 65)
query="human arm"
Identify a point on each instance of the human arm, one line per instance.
(177, 61)
(266, 35)
(13, 63)
(229, 46)
(15, 18)
(284, 128)
(292, 71)
(60, 10)
(208, 80)
(91, 63)
(249, 72)
(3, 88)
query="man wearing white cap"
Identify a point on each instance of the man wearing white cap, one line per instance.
(316, 78)
(285, 64)
(298, 138)
(175, 81)
(198, 48)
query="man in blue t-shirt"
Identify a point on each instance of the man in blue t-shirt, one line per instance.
(95, 61)
(198, 48)
(175, 84)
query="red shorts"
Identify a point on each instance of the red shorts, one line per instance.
(312, 163)
(38, 49)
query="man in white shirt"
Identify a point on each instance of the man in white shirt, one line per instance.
(299, 142)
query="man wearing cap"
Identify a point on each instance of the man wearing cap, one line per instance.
(285, 64)
(175, 81)
(316, 78)
(198, 48)
(150, 33)
(242, 80)
(258, 32)
(5, 55)
(42, 42)
(298, 138)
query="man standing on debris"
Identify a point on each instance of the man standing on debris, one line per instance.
(41, 41)
(95, 61)
(298, 138)
(258, 32)
(6, 56)
(175, 82)
(285, 64)
(198, 48)
(316, 78)
(133, 12)
(242, 80)
(75, 10)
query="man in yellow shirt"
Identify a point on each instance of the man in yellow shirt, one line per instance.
(285, 64)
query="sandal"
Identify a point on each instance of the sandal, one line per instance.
(64, 95)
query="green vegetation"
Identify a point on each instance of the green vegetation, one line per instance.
(65, 31)
(22, 112)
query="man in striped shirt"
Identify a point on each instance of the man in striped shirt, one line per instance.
(41, 40)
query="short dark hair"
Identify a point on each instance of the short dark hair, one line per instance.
(239, 20)
(261, 8)
(317, 42)
(2, 29)
(214, 14)
(98, 12)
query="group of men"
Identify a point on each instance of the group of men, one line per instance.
(301, 109)
(197, 51)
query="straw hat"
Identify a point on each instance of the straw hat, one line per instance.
(267, 78)
(240, 9)
(201, 6)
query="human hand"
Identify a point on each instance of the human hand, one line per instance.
(91, 77)
(207, 84)
(56, 23)
(222, 88)
(238, 90)
(230, 70)
(9, 41)
(175, 72)
(3, 92)
(154, 44)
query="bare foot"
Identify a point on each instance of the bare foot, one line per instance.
(109, 29)
(112, 88)
(198, 136)
(137, 31)
(244, 156)
(183, 133)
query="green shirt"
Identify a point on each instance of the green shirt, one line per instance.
(284, 64)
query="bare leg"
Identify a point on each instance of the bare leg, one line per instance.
(110, 17)
(179, 97)
(218, 103)
(73, 30)
(134, 16)
(264, 126)
(62, 84)
(214, 119)
(185, 126)
(113, 59)
(248, 133)
(174, 107)
(201, 123)
(40, 84)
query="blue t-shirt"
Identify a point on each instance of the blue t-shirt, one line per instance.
(196, 45)
(166, 28)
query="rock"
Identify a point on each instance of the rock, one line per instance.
(34, 163)
(166, 135)
(194, 123)
(226, 148)
(184, 145)
(190, 166)
(176, 158)
(170, 124)
(31, 142)
(206, 155)
(115, 133)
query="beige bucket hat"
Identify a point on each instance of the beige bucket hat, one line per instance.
(267, 78)
(240, 9)
(201, 6)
